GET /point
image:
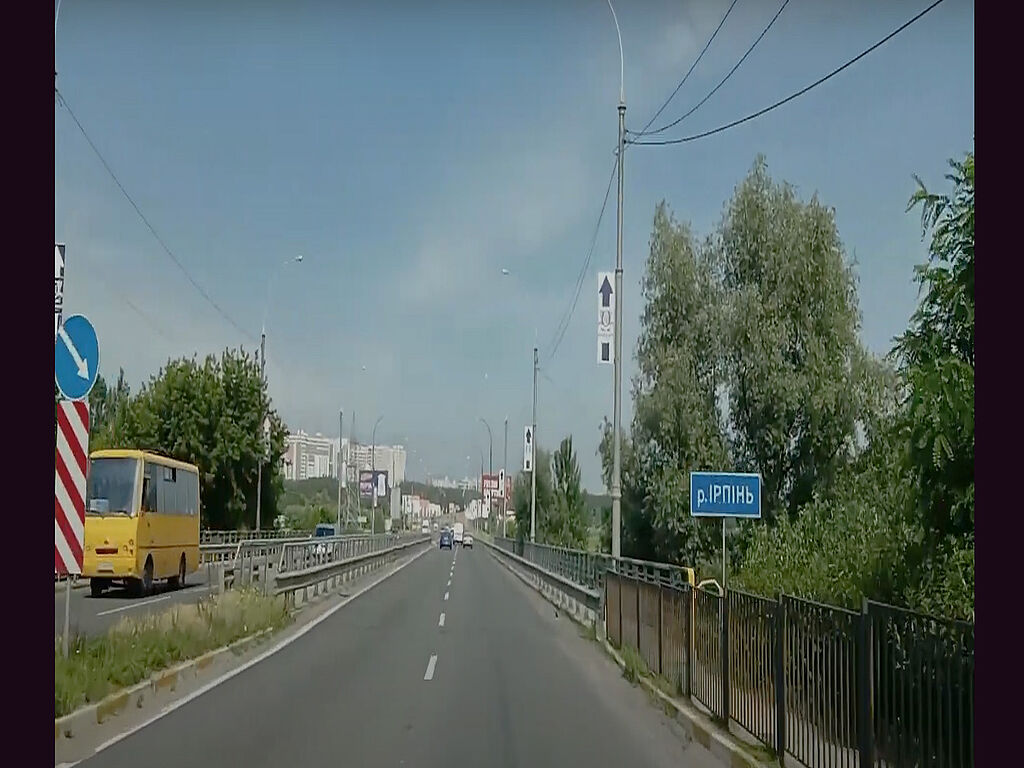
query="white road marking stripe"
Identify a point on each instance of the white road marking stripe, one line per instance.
(252, 662)
(449, 582)
(430, 668)
(134, 605)
(440, 622)
(445, 595)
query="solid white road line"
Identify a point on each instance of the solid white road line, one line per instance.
(440, 623)
(134, 605)
(445, 595)
(430, 668)
(252, 662)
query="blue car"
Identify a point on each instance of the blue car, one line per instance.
(446, 540)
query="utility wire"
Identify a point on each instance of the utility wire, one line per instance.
(559, 333)
(722, 82)
(167, 250)
(693, 66)
(801, 92)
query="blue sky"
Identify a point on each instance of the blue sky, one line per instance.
(410, 153)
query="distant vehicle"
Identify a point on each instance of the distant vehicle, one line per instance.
(468, 543)
(435, 526)
(446, 540)
(141, 521)
(323, 531)
(425, 527)
(459, 530)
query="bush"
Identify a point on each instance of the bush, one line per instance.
(136, 648)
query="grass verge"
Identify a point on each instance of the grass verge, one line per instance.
(137, 647)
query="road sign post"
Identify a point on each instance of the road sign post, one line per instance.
(59, 260)
(605, 319)
(76, 357)
(725, 494)
(71, 471)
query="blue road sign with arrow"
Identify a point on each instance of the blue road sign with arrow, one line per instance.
(76, 359)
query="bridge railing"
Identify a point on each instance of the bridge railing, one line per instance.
(823, 684)
(233, 537)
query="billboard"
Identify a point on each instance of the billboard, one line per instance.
(368, 479)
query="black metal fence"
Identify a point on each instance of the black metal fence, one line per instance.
(819, 684)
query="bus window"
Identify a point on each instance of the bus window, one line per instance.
(111, 489)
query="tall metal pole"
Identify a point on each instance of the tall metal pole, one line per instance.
(339, 464)
(504, 496)
(373, 476)
(617, 412)
(351, 449)
(259, 470)
(533, 470)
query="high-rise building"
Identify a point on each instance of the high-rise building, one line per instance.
(308, 456)
(388, 457)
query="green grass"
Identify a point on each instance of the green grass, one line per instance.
(136, 648)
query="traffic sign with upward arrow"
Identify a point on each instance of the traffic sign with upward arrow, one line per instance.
(76, 358)
(605, 319)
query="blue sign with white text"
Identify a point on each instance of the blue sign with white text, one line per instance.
(76, 358)
(725, 494)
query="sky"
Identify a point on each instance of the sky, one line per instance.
(412, 152)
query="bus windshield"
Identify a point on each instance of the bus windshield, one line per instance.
(111, 487)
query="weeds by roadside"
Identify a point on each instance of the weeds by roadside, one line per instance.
(136, 648)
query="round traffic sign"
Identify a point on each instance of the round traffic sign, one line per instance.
(76, 357)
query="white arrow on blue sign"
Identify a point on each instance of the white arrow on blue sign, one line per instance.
(725, 494)
(76, 358)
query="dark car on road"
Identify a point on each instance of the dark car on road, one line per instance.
(446, 540)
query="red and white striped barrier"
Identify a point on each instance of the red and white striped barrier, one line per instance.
(69, 485)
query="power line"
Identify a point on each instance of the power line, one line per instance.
(693, 66)
(564, 324)
(789, 98)
(722, 82)
(167, 250)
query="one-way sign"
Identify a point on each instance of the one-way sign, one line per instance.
(605, 318)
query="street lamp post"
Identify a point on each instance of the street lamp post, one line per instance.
(490, 462)
(373, 475)
(263, 381)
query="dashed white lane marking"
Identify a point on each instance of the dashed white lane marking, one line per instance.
(430, 668)
(134, 605)
(440, 623)
(449, 582)
(445, 595)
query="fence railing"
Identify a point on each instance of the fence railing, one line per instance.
(233, 537)
(827, 686)
(588, 568)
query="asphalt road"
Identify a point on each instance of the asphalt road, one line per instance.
(503, 681)
(95, 615)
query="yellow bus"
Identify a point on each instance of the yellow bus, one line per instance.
(141, 521)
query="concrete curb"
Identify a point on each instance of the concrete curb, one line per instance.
(103, 710)
(700, 727)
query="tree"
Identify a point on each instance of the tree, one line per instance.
(566, 524)
(521, 495)
(798, 374)
(936, 359)
(211, 414)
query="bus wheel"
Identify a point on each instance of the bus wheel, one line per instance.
(177, 582)
(147, 576)
(96, 587)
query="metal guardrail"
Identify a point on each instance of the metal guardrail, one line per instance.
(233, 537)
(313, 568)
(588, 568)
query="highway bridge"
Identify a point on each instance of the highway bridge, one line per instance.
(514, 655)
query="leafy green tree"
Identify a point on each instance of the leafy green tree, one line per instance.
(521, 495)
(799, 379)
(936, 359)
(566, 524)
(211, 414)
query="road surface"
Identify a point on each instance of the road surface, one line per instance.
(95, 615)
(450, 662)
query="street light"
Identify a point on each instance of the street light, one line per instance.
(373, 475)
(490, 459)
(263, 377)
